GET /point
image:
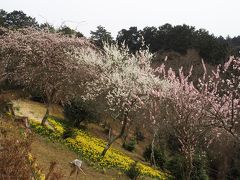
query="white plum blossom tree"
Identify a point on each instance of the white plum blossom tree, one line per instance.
(125, 80)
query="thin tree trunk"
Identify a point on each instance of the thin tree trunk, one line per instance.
(43, 123)
(112, 140)
(10, 108)
(189, 166)
(153, 162)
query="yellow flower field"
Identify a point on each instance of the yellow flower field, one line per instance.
(90, 148)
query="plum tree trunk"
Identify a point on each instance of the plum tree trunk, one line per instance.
(153, 162)
(43, 123)
(189, 165)
(112, 140)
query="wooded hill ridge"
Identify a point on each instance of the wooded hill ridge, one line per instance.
(179, 38)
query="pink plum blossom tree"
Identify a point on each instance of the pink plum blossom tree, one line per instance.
(182, 111)
(222, 90)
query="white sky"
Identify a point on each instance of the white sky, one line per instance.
(221, 17)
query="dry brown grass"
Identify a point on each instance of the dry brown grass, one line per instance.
(35, 110)
(14, 153)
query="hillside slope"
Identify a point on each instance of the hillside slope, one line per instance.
(176, 60)
(86, 144)
(45, 152)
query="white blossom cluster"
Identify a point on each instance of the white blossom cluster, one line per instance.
(127, 80)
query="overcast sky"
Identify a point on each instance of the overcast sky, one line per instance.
(221, 17)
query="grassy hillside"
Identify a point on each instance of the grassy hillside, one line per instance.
(48, 146)
(45, 152)
(35, 110)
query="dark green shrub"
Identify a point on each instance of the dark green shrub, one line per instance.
(159, 155)
(79, 113)
(131, 145)
(133, 172)
(199, 168)
(139, 135)
(173, 144)
(234, 171)
(69, 133)
(36, 96)
(176, 165)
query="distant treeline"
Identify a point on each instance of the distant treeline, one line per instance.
(178, 38)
